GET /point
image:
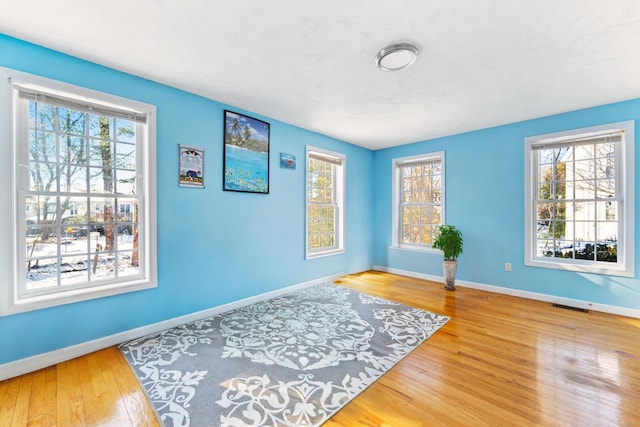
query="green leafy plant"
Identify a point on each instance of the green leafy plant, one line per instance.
(449, 241)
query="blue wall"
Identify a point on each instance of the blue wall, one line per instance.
(213, 246)
(484, 198)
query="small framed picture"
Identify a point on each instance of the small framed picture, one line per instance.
(191, 166)
(287, 161)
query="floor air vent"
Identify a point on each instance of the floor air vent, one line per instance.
(568, 307)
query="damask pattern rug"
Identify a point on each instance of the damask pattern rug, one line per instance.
(290, 361)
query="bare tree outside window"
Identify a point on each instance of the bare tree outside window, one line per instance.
(86, 161)
(325, 203)
(83, 181)
(576, 199)
(419, 189)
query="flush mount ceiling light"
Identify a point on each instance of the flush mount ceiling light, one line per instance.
(396, 56)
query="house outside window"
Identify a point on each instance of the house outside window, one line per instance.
(77, 159)
(325, 202)
(418, 211)
(579, 200)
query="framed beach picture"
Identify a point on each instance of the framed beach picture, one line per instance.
(246, 154)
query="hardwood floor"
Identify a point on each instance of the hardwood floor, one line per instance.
(500, 361)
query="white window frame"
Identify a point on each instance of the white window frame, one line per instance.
(624, 175)
(396, 164)
(339, 187)
(12, 213)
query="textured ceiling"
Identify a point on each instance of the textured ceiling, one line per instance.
(310, 63)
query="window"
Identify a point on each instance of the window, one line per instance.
(579, 200)
(78, 207)
(418, 199)
(325, 202)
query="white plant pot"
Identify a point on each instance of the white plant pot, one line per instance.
(449, 268)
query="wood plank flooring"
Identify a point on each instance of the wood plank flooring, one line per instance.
(500, 361)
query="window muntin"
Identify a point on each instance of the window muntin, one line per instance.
(83, 213)
(419, 195)
(325, 202)
(578, 210)
(73, 153)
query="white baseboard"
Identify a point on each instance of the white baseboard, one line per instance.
(33, 363)
(589, 305)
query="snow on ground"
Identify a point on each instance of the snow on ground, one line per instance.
(76, 265)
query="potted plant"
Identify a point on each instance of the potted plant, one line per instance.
(449, 241)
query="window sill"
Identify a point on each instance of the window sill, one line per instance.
(51, 300)
(412, 248)
(613, 270)
(322, 254)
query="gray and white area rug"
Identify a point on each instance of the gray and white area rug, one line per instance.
(290, 361)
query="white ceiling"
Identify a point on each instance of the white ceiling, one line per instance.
(310, 63)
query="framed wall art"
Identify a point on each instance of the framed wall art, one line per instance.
(287, 161)
(191, 166)
(246, 154)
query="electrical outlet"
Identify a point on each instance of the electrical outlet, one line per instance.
(507, 266)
